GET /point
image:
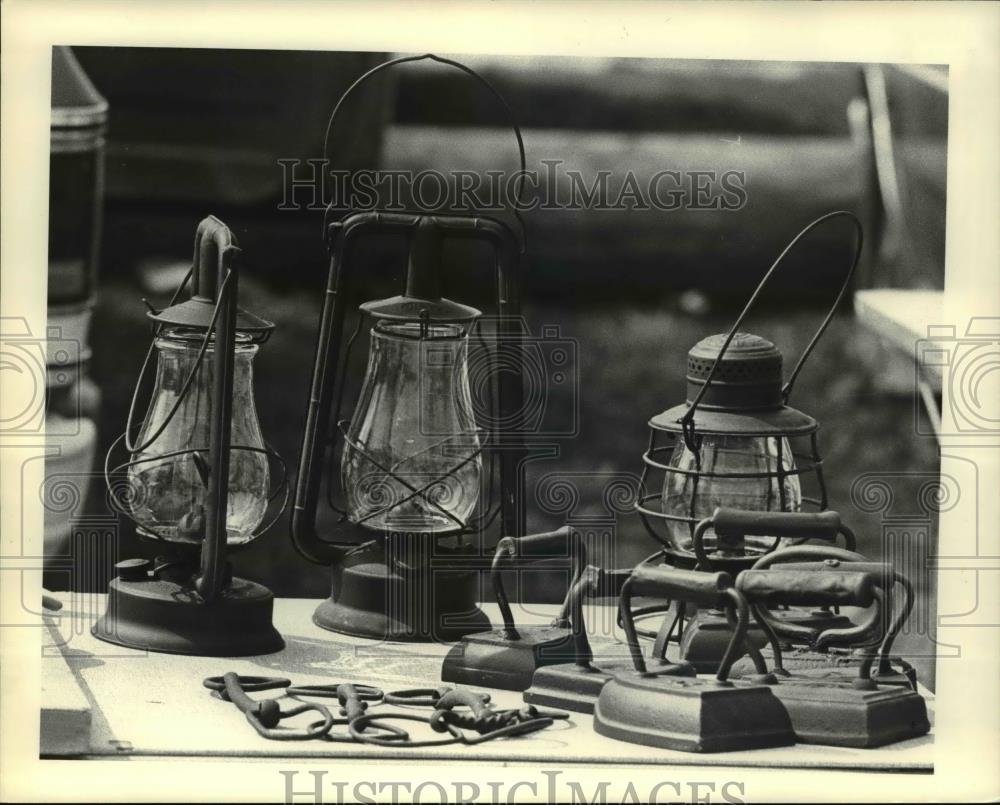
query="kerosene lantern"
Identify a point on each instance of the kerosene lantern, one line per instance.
(198, 480)
(412, 474)
(736, 444)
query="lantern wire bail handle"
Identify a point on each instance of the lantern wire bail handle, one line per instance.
(687, 421)
(509, 113)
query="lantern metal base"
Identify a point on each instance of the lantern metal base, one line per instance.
(494, 660)
(844, 715)
(576, 687)
(374, 600)
(706, 635)
(691, 715)
(167, 615)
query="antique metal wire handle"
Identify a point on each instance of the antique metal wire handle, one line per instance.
(508, 112)
(687, 421)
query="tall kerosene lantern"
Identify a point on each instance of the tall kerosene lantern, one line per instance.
(735, 443)
(197, 482)
(415, 470)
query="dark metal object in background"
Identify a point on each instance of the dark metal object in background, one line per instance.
(76, 200)
(76, 183)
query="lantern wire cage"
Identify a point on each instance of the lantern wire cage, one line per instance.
(123, 496)
(658, 522)
(793, 453)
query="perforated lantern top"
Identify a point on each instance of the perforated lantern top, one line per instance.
(744, 396)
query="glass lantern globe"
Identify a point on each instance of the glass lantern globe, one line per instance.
(169, 476)
(412, 455)
(728, 471)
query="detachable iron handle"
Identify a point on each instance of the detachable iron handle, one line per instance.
(807, 588)
(704, 589)
(825, 525)
(827, 587)
(885, 575)
(693, 586)
(565, 542)
(732, 525)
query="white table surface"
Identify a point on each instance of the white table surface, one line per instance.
(154, 705)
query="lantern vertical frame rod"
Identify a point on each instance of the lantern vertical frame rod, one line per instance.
(213, 554)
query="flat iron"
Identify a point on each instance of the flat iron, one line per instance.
(797, 654)
(576, 685)
(507, 658)
(854, 711)
(704, 636)
(688, 713)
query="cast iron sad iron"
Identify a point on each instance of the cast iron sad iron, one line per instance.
(705, 636)
(687, 713)
(853, 711)
(507, 658)
(796, 651)
(576, 685)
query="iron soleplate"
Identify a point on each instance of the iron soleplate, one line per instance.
(493, 660)
(571, 686)
(842, 715)
(691, 715)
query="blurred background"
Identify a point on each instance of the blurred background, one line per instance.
(173, 135)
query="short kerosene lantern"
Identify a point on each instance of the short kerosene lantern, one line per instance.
(412, 454)
(733, 445)
(198, 481)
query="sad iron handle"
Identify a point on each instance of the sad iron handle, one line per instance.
(887, 576)
(693, 586)
(563, 542)
(763, 588)
(712, 590)
(808, 588)
(825, 525)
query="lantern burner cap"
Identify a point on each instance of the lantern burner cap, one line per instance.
(748, 378)
(405, 308)
(422, 299)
